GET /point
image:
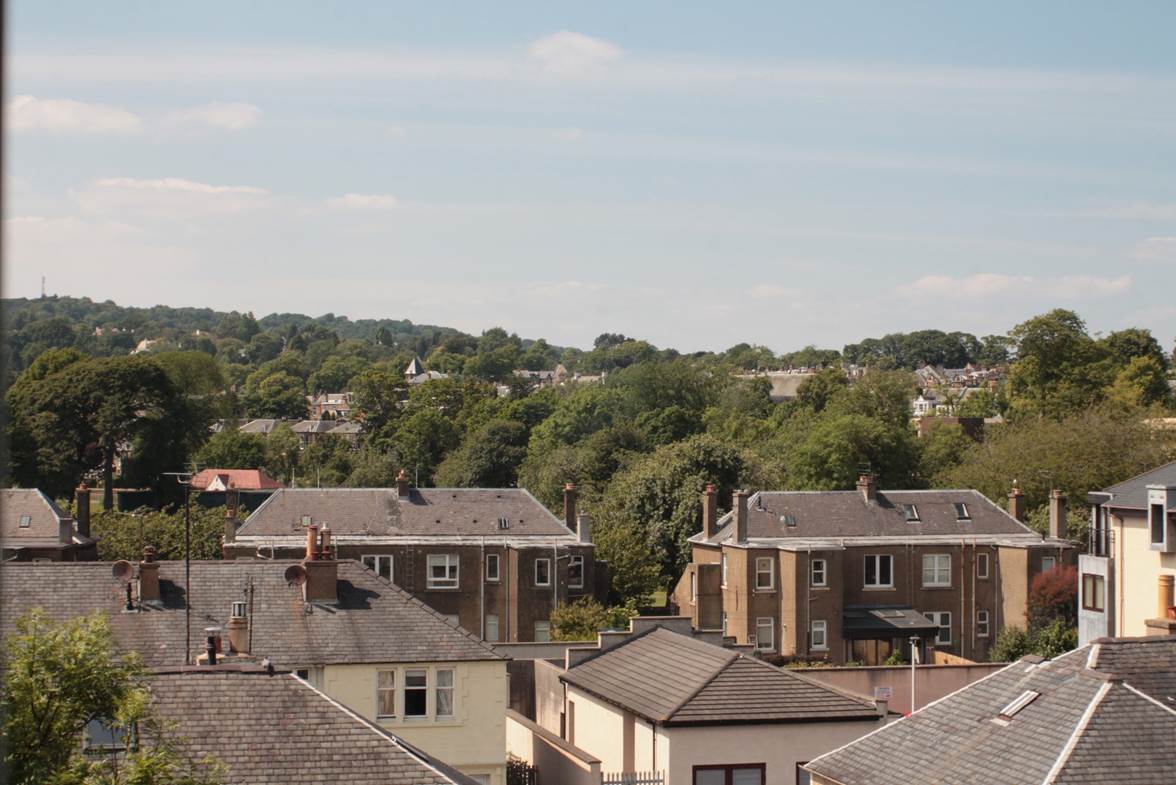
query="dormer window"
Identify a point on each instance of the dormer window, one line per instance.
(962, 513)
(911, 513)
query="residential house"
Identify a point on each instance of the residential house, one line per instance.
(785, 383)
(427, 376)
(1100, 714)
(701, 714)
(852, 575)
(330, 406)
(1126, 577)
(261, 426)
(33, 528)
(269, 728)
(233, 479)
(493, 560)
(350, 633)
(414, 369)
(309, 431)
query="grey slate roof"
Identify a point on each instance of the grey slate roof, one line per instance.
(1088, 725)
(373, 622)
(1132, 494)
(44, 519)
(674, 679)
(825, 514)
(425, 512)
(271, 730)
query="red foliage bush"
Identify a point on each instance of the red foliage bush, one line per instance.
(1053, 594)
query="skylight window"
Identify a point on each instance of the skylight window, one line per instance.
(788, 519)
(962, 513)
(1020, 702)
(911, 513)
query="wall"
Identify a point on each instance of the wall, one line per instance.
(1097, 624)
(932, 682)
(599, 729)
(559, 763)
(1138, 572)
(549, 695)
(474, 741)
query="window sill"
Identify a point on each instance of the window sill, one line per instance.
(818, 648)
(823, 587)
(935, 588)
(763, 591)
(442, 588)
(878, 588)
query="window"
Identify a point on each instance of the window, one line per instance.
(542, 631)
(1018, 703)
(25, 520)
(543, 572)
(723, 570)
(104, 738)
(818, 572)
(575, 572)
(416, 693)
(937, 570)
(1048, 563)
(1094, 593)
(380, 565)
(981, 565)
(739, 774)
(765, 633)
(961, 511)
(1157, 521)
(305, 520)
(694, 587)
(943, 619)
(981, 624)
(910, 512)
(878, 571)
(386, 694)
(819, 635)
(492, 627)
(492, 567)
(763, 573)
(442, 570)
(444, 692)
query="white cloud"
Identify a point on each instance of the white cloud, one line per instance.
(1156, 249)
(64, 115)
(166, 197)
(572, 54)
(365, 201)
(981, 285)
(231, 116)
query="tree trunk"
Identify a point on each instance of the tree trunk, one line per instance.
(108, 478)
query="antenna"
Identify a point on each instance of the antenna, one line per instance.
(295, 575)
(122, 570)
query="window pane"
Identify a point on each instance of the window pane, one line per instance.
(415, 693)
(416, 678)
(871, 570)
(387, 679)
(369, 562)
(747, 777)
(492, 627)
(444, 703)
(710, 777)
(884, 570)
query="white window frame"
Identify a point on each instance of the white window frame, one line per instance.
(1052, 560)
(491, 623)
(723, 570)
(966, 513)
(424, 689)
(26, 521)
(493, 576)
(575, 584)
(546, 561)
(823, 570)
(376, 559)
(760, 561)
(385, 688)
(821, 627)
(451, 562)
(544, 625)
(940, 575)
(439, 689)
(693, 586)
(910, 513)
(938, 617)
(982, 559)
(982, 623)
(878, 557)
(770, 623)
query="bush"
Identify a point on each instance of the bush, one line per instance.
(123, 535)
(1053, 595)
(582, 619)
(1013, 643)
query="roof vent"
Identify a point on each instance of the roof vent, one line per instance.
(788, 519)
(1020, 702)
(504, 523)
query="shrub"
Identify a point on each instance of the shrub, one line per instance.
(1053, 595)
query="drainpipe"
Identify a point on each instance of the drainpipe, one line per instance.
(554, 581)
(974, 639)
(482, 587)
(963, 599)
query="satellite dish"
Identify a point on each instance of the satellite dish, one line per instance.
(122, 570)
(295, 575)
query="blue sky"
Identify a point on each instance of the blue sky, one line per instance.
(693, 174)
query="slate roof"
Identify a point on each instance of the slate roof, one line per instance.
(44, 519)
(1132, 494)
(1089, 724)
(271, 730)
(836, 514)
(674, 679)
(373, 621)
(425, 512)
(243, 479)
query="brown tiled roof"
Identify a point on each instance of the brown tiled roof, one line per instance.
(44, 517)
(242, 479)
(674, 679)
(271, 730)
(1085, 727)
(425, 512)
(372, 622)
(822, 514)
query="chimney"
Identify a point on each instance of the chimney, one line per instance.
(570, 505)
(322, 571)
(1017, 503)
(83, 512)
(1057, 514)
(231, 521)
(402, 484)
(312, 542)
(740, 516)
(149, 577)
(865, 485)
(710, 511)
(584, 527)
(238, 629)
(65, 530)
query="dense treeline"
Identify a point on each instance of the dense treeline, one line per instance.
(641, 443)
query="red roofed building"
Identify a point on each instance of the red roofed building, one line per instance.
(236, 479)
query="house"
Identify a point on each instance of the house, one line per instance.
(33, 528)
(268, 728)
(1100, 714)
(351, 431)
(427, 376)
(1131, 560)
(669, 703)
(348, 632)
(309, 431)
(414, 369)
(926, 403)
(330, 406)
(493, 560)
(785, 383)
(261, 426)
(235, 479)
(852, 575)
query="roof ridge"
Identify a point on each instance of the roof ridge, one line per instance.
(1137, 476)
(723, 666)
(632, 637)
(1072, 742)
(810, 680)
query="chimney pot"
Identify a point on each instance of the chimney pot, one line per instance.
(570, 505)
(1166, 595)
(238, 629)
(149, 576)
(402, 484)
(865, 485)
(740, 516)
(311, 542)
(710, 511)
(1017, 503)
(1057, 514)
(325, 539)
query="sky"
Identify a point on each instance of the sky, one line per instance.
(693, 174)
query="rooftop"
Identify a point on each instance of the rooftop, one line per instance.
(1131, 494)
(241, 479)
(30, 518)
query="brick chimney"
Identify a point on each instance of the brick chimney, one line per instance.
(710, 511)
(1057, 514)
(149, 577)
(740, 507)
(570, 506)
(1017, 503)
(238, 628)
(82, 516)
(865, 486)
(584, 527)
(403, 485)
(231, 520)
(322, 571)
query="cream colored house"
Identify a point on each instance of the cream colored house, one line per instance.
(1125, 580)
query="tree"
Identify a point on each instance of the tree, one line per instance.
(1059, 368)
(277, 396)
(816, 391)
(232, 449)
(582, 619)
(335, 374)
(539, 356)
(282, 452)
(1013, 643)
(841, 446)
(123, 535)
(423, 440)
(1053, 594)
(377, 394)
(942, 448)
(489, 458)
(1143, 382)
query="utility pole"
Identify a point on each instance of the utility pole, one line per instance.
(914, 662)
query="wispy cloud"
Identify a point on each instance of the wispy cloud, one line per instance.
(231, 116)
(984, 285)
(166, 197)
(1156, 249)
(572, 54)
(365, 201)
(64, 115)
